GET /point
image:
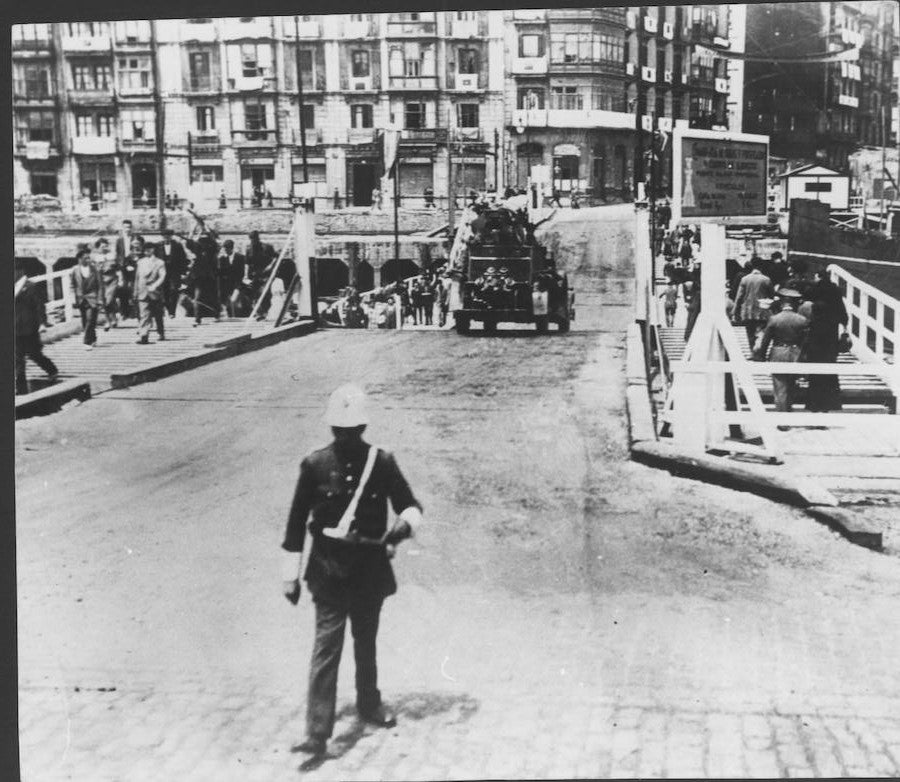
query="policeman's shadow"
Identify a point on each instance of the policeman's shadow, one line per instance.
(409, 707)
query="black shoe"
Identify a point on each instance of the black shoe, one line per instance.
(313, 745)
(161, 338)
(379, 716)
(143, 341)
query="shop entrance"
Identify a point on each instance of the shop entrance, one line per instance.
(364, 181)
(143, 185)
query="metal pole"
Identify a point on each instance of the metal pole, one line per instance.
(451, 194)
(882, 223)
(496, 159)
(397, 215)
(300, 102)
(160, 126)
(653, 173)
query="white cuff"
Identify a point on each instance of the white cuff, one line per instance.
(412, 516)
(290, 565)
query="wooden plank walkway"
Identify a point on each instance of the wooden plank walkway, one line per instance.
(117, 353)
(856, 390)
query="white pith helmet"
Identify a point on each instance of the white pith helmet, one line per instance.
(347, 407)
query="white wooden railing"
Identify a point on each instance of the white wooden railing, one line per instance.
(60, 301)
(875, 335)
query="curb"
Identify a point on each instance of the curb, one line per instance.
(52, 399)
(235, 346)
(765, 481)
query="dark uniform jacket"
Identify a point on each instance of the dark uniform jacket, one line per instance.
(30, 310)
(175, 260)
(786, 329)
(337, 571)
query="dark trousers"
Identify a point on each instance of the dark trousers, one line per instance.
(30, 346)
(151, 310)
(171, 295)
(326, 657)
(89, 314)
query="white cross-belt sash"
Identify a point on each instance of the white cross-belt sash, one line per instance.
(343, 526)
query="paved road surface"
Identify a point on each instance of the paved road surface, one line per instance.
(566, 613)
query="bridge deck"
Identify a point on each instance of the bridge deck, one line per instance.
(117, 353)
(855, 389)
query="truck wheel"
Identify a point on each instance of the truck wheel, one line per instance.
(462, 325)
(563, 325)
(490, 326)
(541, 325)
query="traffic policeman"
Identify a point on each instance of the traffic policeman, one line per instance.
(344, 491)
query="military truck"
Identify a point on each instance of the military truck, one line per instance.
(508, 277)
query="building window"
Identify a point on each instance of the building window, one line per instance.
(414, 116)
(566, 98)
(91, 77)
(309, 116)
(359, 63)
(361, 115)
(467, 115)
(249, 61)
(608, 48)
(207, 174)
(199, 66)
(133, 30)
(43, 183)
(466, 16)
(31, 32)
(565, 167)
(254, 119)
(530, 98)
(134, 73)
(307, 69)
(206, 118)
(138, 124)
(84, 125)
(87, 29)
(468, 60)
(106, 124)
(33, 81)
(531, 45)
(412, 68)
(36, 126)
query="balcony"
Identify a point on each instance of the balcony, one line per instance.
(305, 30)
(418, 29)
(417, 136)
(132, 91)
(198, 32)
(205, 143)
(32, 45)
(530, 15)
(587, 64)
(33, 91)
(356, 30)
(469, 134)
(361, 135)
(589, 118)
(253, 139)
(89, 44)
(466, 28)
(530, 66)
(357, 84)
(201, 84)
(313, 136)
(91, 97)
(94, 145)
(37, 150)
(127, 145)
(247, 83)
(529, 118)
(235, 29)
(413, 83)
(466, 82)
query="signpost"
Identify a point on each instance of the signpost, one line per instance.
(719, 176)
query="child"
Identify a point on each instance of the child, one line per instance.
(670, 302)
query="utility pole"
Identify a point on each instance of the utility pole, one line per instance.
(496, 159)
(160, 126)
(397, 214)
(882, 223)
(451, 192)
(302, 106)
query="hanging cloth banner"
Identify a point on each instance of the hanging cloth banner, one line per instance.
(851, 54)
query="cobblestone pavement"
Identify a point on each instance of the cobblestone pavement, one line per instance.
(565, 614)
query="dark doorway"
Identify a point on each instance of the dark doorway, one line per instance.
(143, 185)
(365, 276)
(389, 271)
(621, 171)
(363, 183)
(332, 274)
(598, 175)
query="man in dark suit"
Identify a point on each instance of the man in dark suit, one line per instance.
(232, 274)
(123, 241)
(174, 257)
(31, 316)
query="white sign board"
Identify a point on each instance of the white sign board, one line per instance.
(718, 175)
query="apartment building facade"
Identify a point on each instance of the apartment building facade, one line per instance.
(116, 113)
(820, 111)
(582, 81)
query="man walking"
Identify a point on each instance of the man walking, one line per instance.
(31, 317)
(88, 292)
(232, 271)
(346, 487)
(785, 332)
(175, 259)
(750, 290)
(149, 279)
